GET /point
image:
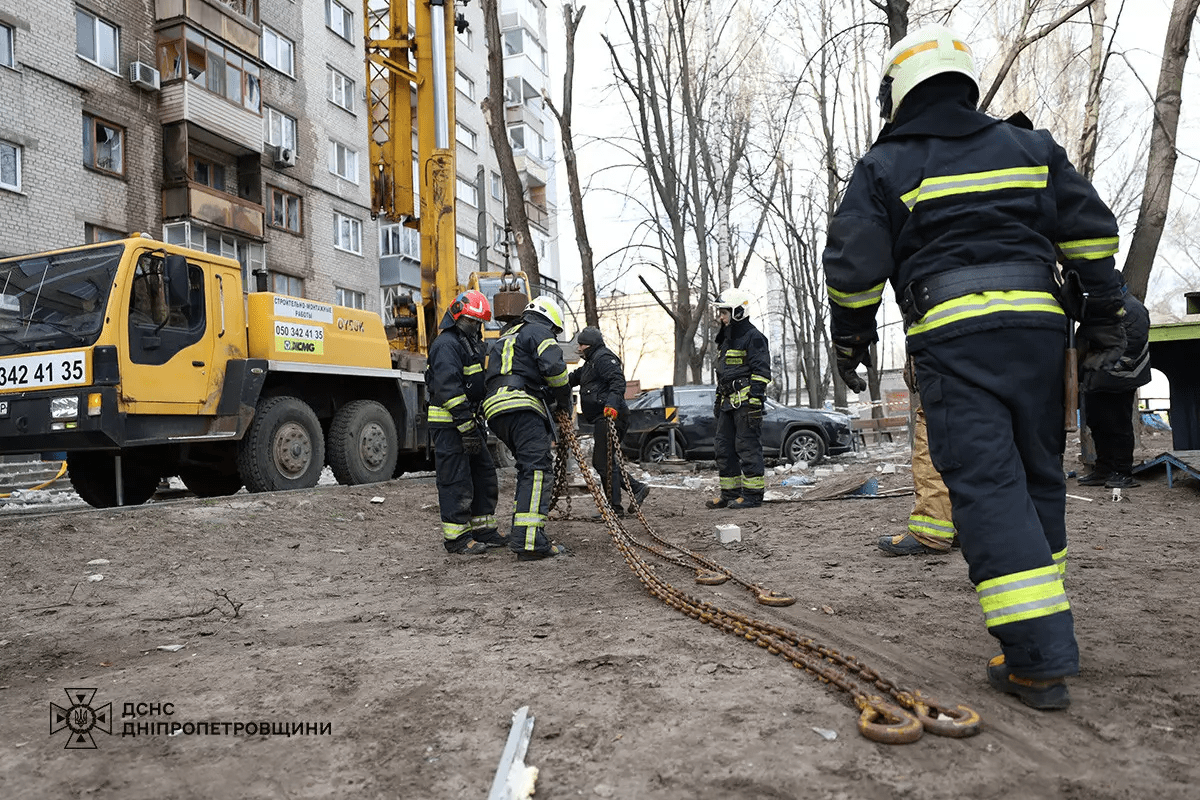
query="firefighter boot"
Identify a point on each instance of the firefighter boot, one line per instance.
(465, 546)
(538, 555)
(905, 544)
(718, 502)
(746, 501)
(1044, 695)
(490, 537)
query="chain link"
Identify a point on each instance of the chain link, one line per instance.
(898, 722)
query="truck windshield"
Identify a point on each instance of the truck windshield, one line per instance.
(49, 302)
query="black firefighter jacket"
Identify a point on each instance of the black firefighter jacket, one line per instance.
(454, 376)
(949, 189)
(525, 369)
(743, 364)
(601, 382)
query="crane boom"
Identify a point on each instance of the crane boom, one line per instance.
(399, 64)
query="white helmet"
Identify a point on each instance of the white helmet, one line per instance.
(737, 301)
(931, 50)
(548, 309)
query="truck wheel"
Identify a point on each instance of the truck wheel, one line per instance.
(93, 476)
(362, 443)
(284, 447)
(205, 482)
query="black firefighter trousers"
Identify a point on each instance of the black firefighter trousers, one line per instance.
(527, 436)
(467, 486)
(994, 406)
(739, 455)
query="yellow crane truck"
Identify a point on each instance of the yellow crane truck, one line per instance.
(142, 360)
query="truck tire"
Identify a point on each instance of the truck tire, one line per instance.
(362, 443)
(93, 476)
(284, 447)
(206, 482)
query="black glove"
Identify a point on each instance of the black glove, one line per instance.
(472, 443)
(1103, 334)
(754, 416)
(850, 354)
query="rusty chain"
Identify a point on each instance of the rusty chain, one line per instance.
(881, 720)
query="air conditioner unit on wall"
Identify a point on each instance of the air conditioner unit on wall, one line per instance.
(143, 75)
(284, 156)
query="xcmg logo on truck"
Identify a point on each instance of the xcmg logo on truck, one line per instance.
(291, 338)
(351, 325)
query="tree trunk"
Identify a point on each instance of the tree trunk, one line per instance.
(571, 18)
(1091, 115)
(1160, 167)
(493, 112)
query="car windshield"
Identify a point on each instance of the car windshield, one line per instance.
(48, 302)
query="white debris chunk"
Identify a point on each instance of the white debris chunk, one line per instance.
(727, 533)
(96, 562)
(95, 578)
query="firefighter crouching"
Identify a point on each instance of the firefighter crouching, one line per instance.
(743, 371)
(966, 215)
(601, 382)
(526, 372)
(466, 474)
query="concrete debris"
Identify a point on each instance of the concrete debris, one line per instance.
(727, 533)
(170, 648)
(826, 734)
(95, 578)
(377, 499)
(96, 562)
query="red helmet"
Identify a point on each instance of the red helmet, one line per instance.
(471, 304)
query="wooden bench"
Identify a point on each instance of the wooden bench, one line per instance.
(879, 429)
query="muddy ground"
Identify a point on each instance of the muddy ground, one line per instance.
(323, 608)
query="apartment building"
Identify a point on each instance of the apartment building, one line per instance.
(236, 127)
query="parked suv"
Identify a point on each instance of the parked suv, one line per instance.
(789, 433)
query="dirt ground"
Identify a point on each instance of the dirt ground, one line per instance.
(350, 615)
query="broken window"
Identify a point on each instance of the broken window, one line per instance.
(103, 145)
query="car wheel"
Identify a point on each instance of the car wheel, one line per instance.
(657, 449)
(804, 446)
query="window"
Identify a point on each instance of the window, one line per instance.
(347, 234)
(94, 233)
(527, 140)
(465, 85)
(343, 161)
(497, 236)
(467, 37)
(278, 51)
(102, 145)
(283, 210)
(251, 255)
(206, 173)
(287, 284)
(210, 64)
(10, 166)
(467, 246)
(339, 19)
(279, 129)
(466, 137)
(7, 51)
(96, 40)
(468, 193)
(497, 187)
(398, 240)
(350, 298)
(341, 89)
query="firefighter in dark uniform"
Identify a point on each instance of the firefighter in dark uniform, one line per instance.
(967, 215)
(1109, 381)
(601, 382)
(526, 373)
(466, 474)
(743, 372)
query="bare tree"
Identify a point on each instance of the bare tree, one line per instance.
(493, 112)
(1160, 169)
(571, 20)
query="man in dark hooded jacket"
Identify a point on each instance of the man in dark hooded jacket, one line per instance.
(966, 216)
(601, 382)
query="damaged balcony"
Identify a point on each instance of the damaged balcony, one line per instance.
(198, 202)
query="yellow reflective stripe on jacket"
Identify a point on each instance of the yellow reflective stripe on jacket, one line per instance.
(981, 303)
(439, 414)
(546, 345)
(508, 399)
(472, 369)
(734, 357)
(1090, 249)
(467, 426)
(1023, 595)
(863, 299)
(970, 182)
(506, 356)
(559, 380)
(455, 402)
(761, 379)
